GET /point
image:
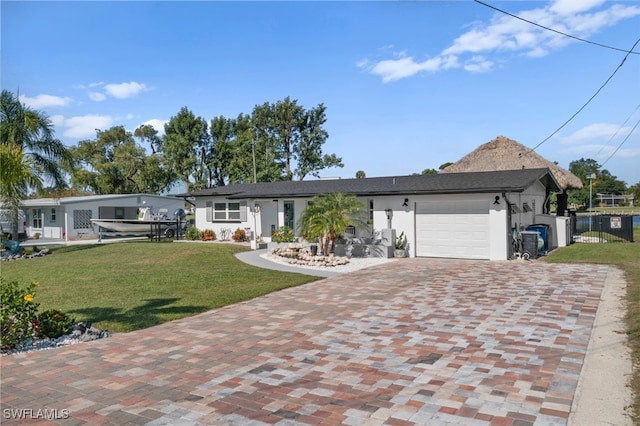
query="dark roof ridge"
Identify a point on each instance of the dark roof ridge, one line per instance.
(489, 181)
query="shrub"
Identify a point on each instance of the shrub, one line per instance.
(192, 234)
(225, 234)
(17, 312)
(53, 323)
(207, 235)
(283, 235)
(240, 236)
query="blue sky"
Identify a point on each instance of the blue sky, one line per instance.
(407, 85)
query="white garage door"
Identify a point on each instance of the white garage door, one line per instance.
(453, 228)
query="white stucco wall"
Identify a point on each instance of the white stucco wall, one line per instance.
(402, 220)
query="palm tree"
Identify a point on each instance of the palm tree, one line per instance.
(327, 217)
(26, 138)
(16, 176)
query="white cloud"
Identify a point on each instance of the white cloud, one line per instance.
(97, 96)
(125, 90)
(570, 7)
(57, 120)
(156, 124)
(599, 152)
(505, 34)
(45, 101)
(478, 64)
(85, 126)
(597, 132)
(396, 69)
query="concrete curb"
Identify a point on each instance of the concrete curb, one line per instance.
(603, 395)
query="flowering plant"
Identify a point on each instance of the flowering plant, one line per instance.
(283, 235)
(17, 312)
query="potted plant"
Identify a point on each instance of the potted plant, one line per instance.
(401, 246)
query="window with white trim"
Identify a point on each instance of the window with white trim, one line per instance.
(36, 218)
(234, 211)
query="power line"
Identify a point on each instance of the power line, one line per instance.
(555, 31)
(589, 101)
(621, 143)
(618, 130)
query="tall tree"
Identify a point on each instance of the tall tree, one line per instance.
(114, 164)
(308, 151)
(295, 136)
(28, 145)
(269, 166)
(604, 182)
(17, 175)
(635, 191)
(222, 134)
(246, 165)
(185, 148)
(149, 134)
(33, 131)
(286, 116)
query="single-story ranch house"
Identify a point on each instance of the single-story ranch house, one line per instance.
(468, 215)
(69, 218)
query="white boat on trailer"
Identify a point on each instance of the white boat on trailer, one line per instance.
(146, 223)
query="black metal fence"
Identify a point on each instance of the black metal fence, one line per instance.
(602, 228)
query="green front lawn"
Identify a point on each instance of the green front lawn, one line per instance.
(127, 286)
(627, 257)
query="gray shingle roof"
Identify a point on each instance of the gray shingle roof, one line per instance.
(449, 183)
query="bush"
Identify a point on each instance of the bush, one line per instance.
(240, 236)
(225, 234)
(53, 323)
(17, 312)
(283, 235)
(207, 235)
(192, 234)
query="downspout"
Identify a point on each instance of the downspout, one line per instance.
(509, 227)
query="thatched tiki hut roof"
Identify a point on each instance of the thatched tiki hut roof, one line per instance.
(506, 154)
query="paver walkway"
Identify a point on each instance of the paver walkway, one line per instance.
(415, 341)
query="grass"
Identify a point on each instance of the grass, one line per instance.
(122, 287)
(627, 257)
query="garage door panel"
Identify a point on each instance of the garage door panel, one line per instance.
(453, 228)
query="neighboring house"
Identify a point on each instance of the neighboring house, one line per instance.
(458, 215)
(613, 200)
(69, 218)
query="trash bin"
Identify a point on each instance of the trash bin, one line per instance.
(314, 249)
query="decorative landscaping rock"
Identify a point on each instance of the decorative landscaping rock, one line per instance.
(79, 333)
(7, 255)
(300, 256)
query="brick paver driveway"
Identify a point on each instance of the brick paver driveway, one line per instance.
(414, 341)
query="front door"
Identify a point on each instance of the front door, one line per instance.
(289, 214)
(51, 227)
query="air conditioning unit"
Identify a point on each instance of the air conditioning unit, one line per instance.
(530, 243)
